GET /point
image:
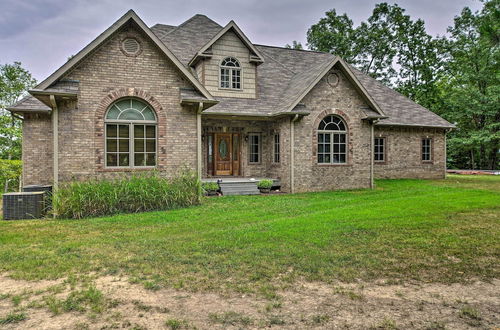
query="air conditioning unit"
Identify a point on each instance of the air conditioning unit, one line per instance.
(45, 188)
(23, 205)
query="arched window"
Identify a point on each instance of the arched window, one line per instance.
(332, 141)
(230, 73)
(130, 134)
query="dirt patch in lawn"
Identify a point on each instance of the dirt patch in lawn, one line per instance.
(113, 302)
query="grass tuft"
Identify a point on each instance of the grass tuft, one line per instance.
(175, 324)
(13, 318)
(230, 318)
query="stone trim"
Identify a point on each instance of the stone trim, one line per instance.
(314, 143)
(100, 113)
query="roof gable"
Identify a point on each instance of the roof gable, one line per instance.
(255, 56)
(129, 16)
(186, 39)
(304, 82)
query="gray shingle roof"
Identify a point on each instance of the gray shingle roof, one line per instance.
(400, 109)
(287, 73)
(29, 104)
(189, 37)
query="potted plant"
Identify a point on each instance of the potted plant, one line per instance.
(265, 186)
(210, 188)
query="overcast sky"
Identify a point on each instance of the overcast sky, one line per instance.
(42, 34)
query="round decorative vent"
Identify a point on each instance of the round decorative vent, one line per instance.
(333, 79)
(131, 46)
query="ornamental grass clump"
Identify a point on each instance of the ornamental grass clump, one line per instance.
(126, 195)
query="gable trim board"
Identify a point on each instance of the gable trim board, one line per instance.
(231, 25)
(129, 16)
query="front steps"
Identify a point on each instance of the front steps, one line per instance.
(239, 188)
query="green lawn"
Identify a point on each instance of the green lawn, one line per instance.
(444, 231)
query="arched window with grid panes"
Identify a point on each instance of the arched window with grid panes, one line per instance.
(332, 140)
(130, 134)
(230, 73)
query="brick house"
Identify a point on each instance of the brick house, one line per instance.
(202, 96)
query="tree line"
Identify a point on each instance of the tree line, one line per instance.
(455, 75)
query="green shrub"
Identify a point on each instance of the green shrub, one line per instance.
(126, 195)
(265, 184)
(210, 186)
(10, 172)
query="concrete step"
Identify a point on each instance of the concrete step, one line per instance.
(239, 188)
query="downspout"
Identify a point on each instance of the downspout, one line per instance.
(198, 138)
(372, 152)
(55, 139)
(292, 154)
(446, 131)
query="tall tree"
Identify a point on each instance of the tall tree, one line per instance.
(376, 43)
(335, 34)
(470, 91)
(14, 82)
(419, 61)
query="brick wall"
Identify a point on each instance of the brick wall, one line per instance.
(37, 149)
(344, 101)
(107, 75)
(403, 154)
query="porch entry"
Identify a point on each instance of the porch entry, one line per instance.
(227, 154)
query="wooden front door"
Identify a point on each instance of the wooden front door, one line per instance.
(227, 158)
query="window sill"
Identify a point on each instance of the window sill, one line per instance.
(231, 89)
(333, 165)
(380, 163)
(127, 169)
(428, 162)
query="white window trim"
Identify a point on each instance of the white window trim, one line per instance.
(384, 146)
(131, 138)
(332, 133)
(422, 151)
(231, 69)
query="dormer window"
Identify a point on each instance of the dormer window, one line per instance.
(230, 73)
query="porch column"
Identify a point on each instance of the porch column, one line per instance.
(292, 153)
(198, 138)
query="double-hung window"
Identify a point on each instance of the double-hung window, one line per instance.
(379, 150)
(426, 149)
(255, 147)
(130, 134)
(277, 155)
(230, 73)
(332, 141)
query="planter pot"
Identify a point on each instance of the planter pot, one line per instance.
(265, 190)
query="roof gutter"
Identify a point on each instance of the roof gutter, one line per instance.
(279, 114)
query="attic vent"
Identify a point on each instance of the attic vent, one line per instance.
(131, 46)
(333, 79)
